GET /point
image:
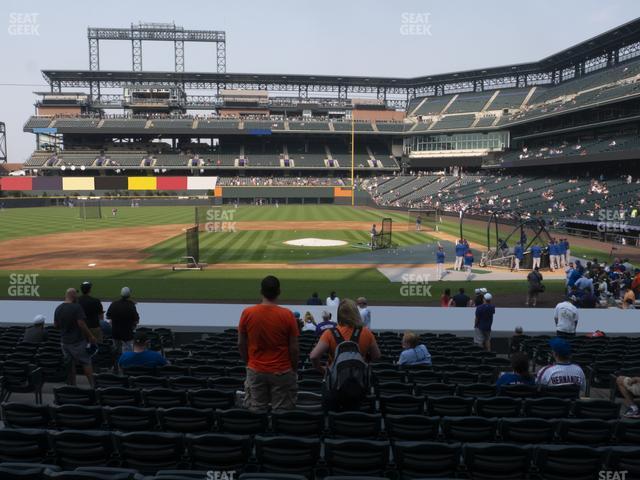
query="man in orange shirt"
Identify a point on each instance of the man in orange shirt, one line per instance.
(268, 344)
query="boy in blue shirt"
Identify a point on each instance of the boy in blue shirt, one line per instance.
(141, 356)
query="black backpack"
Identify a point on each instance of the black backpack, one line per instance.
(348, 377)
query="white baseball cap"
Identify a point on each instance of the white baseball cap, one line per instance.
(488, 297)
(125, 292)
(39, 319)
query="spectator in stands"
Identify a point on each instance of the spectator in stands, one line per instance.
(332, 300)
(124, 318)
(440, 263)
(365, 313)
(566, 317)
(413, 352)
(349, 320)
(562, 371)
(536, 254)
(299, 320)
(141, 356)
(479, 298)
(585, 283)
(483, 322)
(516, 340)
(309, 323)
(629, 388)
(92, 309)
(535, 287)
(107, 330)
(445, 298)
(587, 299)
(268, 344)
(460, 299)
(69, 318)
(35, 333)
(628, 297)
(325, 324)
(520, 374)
(314, 299)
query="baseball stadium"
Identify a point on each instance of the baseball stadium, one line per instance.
(182, 198)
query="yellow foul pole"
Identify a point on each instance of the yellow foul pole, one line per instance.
(353, 154)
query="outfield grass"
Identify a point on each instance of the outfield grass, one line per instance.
(243, 285)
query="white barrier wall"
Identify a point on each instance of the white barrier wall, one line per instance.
(202, 317)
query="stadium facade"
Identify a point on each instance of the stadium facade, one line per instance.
(129, 130)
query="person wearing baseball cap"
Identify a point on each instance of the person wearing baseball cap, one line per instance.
(35, 333)
(566, 317)
(365, 313)
(483, 322)
(124, 319)
(325, 324)
(141, 356)
(92, 309)
(562, 371)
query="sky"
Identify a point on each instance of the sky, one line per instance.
(401, 38)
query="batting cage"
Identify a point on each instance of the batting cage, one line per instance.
(90, 209)
(383, 239)
(193, 243)
(423, 219)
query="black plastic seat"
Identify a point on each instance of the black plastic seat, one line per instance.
(218, 451)
(461, 378)
(130, 419)
(69, 395)
(116, 396)
(449, 406)
(80, 448)
(601, 409)
(356, 457)
(498, 407)
(518, 391)
(393, 388)
(186, 383)
(547, 407)
(469, 429)
(527, 430)
(242, 422)
(569, 391)
(310, 385)
(207, 371)
(585, 431)
(164, 398)
(139, 371)
(25, 471)
(297, 423)
(476, 390)
(147, 382)
(186, 420)
(427, 459)
(627, 431)
(401, 404)
(104, 473)
(354, 424)
(106, 380)
(564, 462)
(289, 455)
(20, 377)
(22, 415)
(435, 389)
(23, 445)
(173, 370)
(77, 417)
(411, 427)
(496, 460)
(624, 458)
(211, 398)
(226, 384)
(149, 452)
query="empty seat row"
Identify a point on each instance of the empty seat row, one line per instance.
(148, 452)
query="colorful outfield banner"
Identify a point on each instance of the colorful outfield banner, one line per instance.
(88, 184)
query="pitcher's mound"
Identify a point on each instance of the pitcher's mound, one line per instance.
(315, 242)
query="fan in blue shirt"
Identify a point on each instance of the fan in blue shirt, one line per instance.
(520, 374)
(140, 356)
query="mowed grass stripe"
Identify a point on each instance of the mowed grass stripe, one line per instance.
(239, 248)
(261, 243)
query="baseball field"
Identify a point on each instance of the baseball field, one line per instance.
(52, 249)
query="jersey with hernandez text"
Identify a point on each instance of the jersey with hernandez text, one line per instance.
(562, 374)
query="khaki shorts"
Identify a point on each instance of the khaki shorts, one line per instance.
(280, 390)
(480, 337)
(633, 389)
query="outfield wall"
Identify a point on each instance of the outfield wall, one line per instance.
(207, 317)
